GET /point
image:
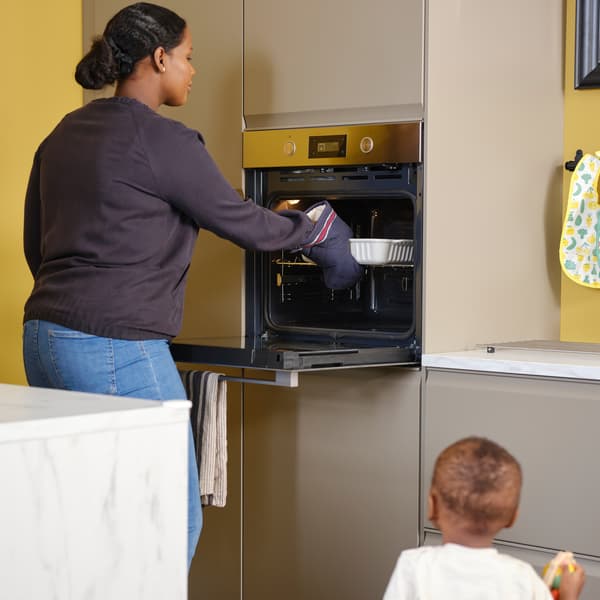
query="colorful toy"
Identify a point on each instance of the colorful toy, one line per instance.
(553, 571)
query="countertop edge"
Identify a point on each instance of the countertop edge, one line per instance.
(28, 413)
(552, 364)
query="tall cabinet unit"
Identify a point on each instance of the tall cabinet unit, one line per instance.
(331, 467)
(493, 172)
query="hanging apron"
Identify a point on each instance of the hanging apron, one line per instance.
(579, 254)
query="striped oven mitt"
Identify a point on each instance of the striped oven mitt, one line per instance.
(579, 254)
(329, 247)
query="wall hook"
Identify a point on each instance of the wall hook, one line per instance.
(571, 164)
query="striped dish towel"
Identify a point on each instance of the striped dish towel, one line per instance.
(208, 394)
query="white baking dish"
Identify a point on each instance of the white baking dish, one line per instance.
(379, 251)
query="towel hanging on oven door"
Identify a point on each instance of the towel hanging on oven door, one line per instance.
(208, 394)
(579, 253)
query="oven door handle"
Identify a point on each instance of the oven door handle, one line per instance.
(288, 379)
(327, 352)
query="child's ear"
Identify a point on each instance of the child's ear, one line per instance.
(432, 506)
(513, 518)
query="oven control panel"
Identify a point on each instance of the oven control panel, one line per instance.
(327, 146)
(355, 144)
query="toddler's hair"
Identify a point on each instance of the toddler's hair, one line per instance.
(479, 481)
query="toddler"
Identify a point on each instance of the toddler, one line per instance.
(474, 494)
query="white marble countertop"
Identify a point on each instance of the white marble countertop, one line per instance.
(533, 357)
(94, 495)
(32, 413)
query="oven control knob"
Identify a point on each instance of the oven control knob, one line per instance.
(366, 145)
(289, 148)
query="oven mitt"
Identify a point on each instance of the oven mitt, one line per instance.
(330, 249)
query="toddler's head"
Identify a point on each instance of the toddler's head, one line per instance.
(477, 484)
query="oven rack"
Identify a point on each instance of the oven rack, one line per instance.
(290, 263)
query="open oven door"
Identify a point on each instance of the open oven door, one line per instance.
(281, 355)
(285, 360)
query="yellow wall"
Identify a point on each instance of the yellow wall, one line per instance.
(42, 43)
(580, 306)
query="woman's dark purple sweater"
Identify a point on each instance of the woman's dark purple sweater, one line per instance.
(116, 197)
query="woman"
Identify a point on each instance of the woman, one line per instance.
(116, 197)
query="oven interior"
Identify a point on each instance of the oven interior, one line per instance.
(376, 201)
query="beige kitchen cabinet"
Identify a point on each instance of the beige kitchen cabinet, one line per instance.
(331, 473)
(332, 63)
(493, 171)
(550, 425)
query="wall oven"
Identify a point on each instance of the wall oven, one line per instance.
(372, 175)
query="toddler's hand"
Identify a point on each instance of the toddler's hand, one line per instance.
(571, 582)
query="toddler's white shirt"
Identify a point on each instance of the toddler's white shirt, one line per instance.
(454, 572)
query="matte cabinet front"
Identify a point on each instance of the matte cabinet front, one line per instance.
(330, 63)
(550, 426)
(330, 484)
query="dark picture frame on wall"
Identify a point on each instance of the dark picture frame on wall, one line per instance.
(587, 44)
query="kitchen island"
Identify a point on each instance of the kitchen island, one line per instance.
(94, 496)
(539, 399)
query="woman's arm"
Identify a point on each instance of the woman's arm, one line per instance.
(32, 217)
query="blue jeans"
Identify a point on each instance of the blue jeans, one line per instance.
(61, 358)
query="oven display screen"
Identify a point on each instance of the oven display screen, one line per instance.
(326, 146)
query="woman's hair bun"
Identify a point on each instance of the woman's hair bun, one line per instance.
(98, 67)
(134, 33)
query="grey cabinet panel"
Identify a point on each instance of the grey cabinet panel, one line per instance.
(550, 426)
(539, 558)
(331, 63)
(330, 484)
